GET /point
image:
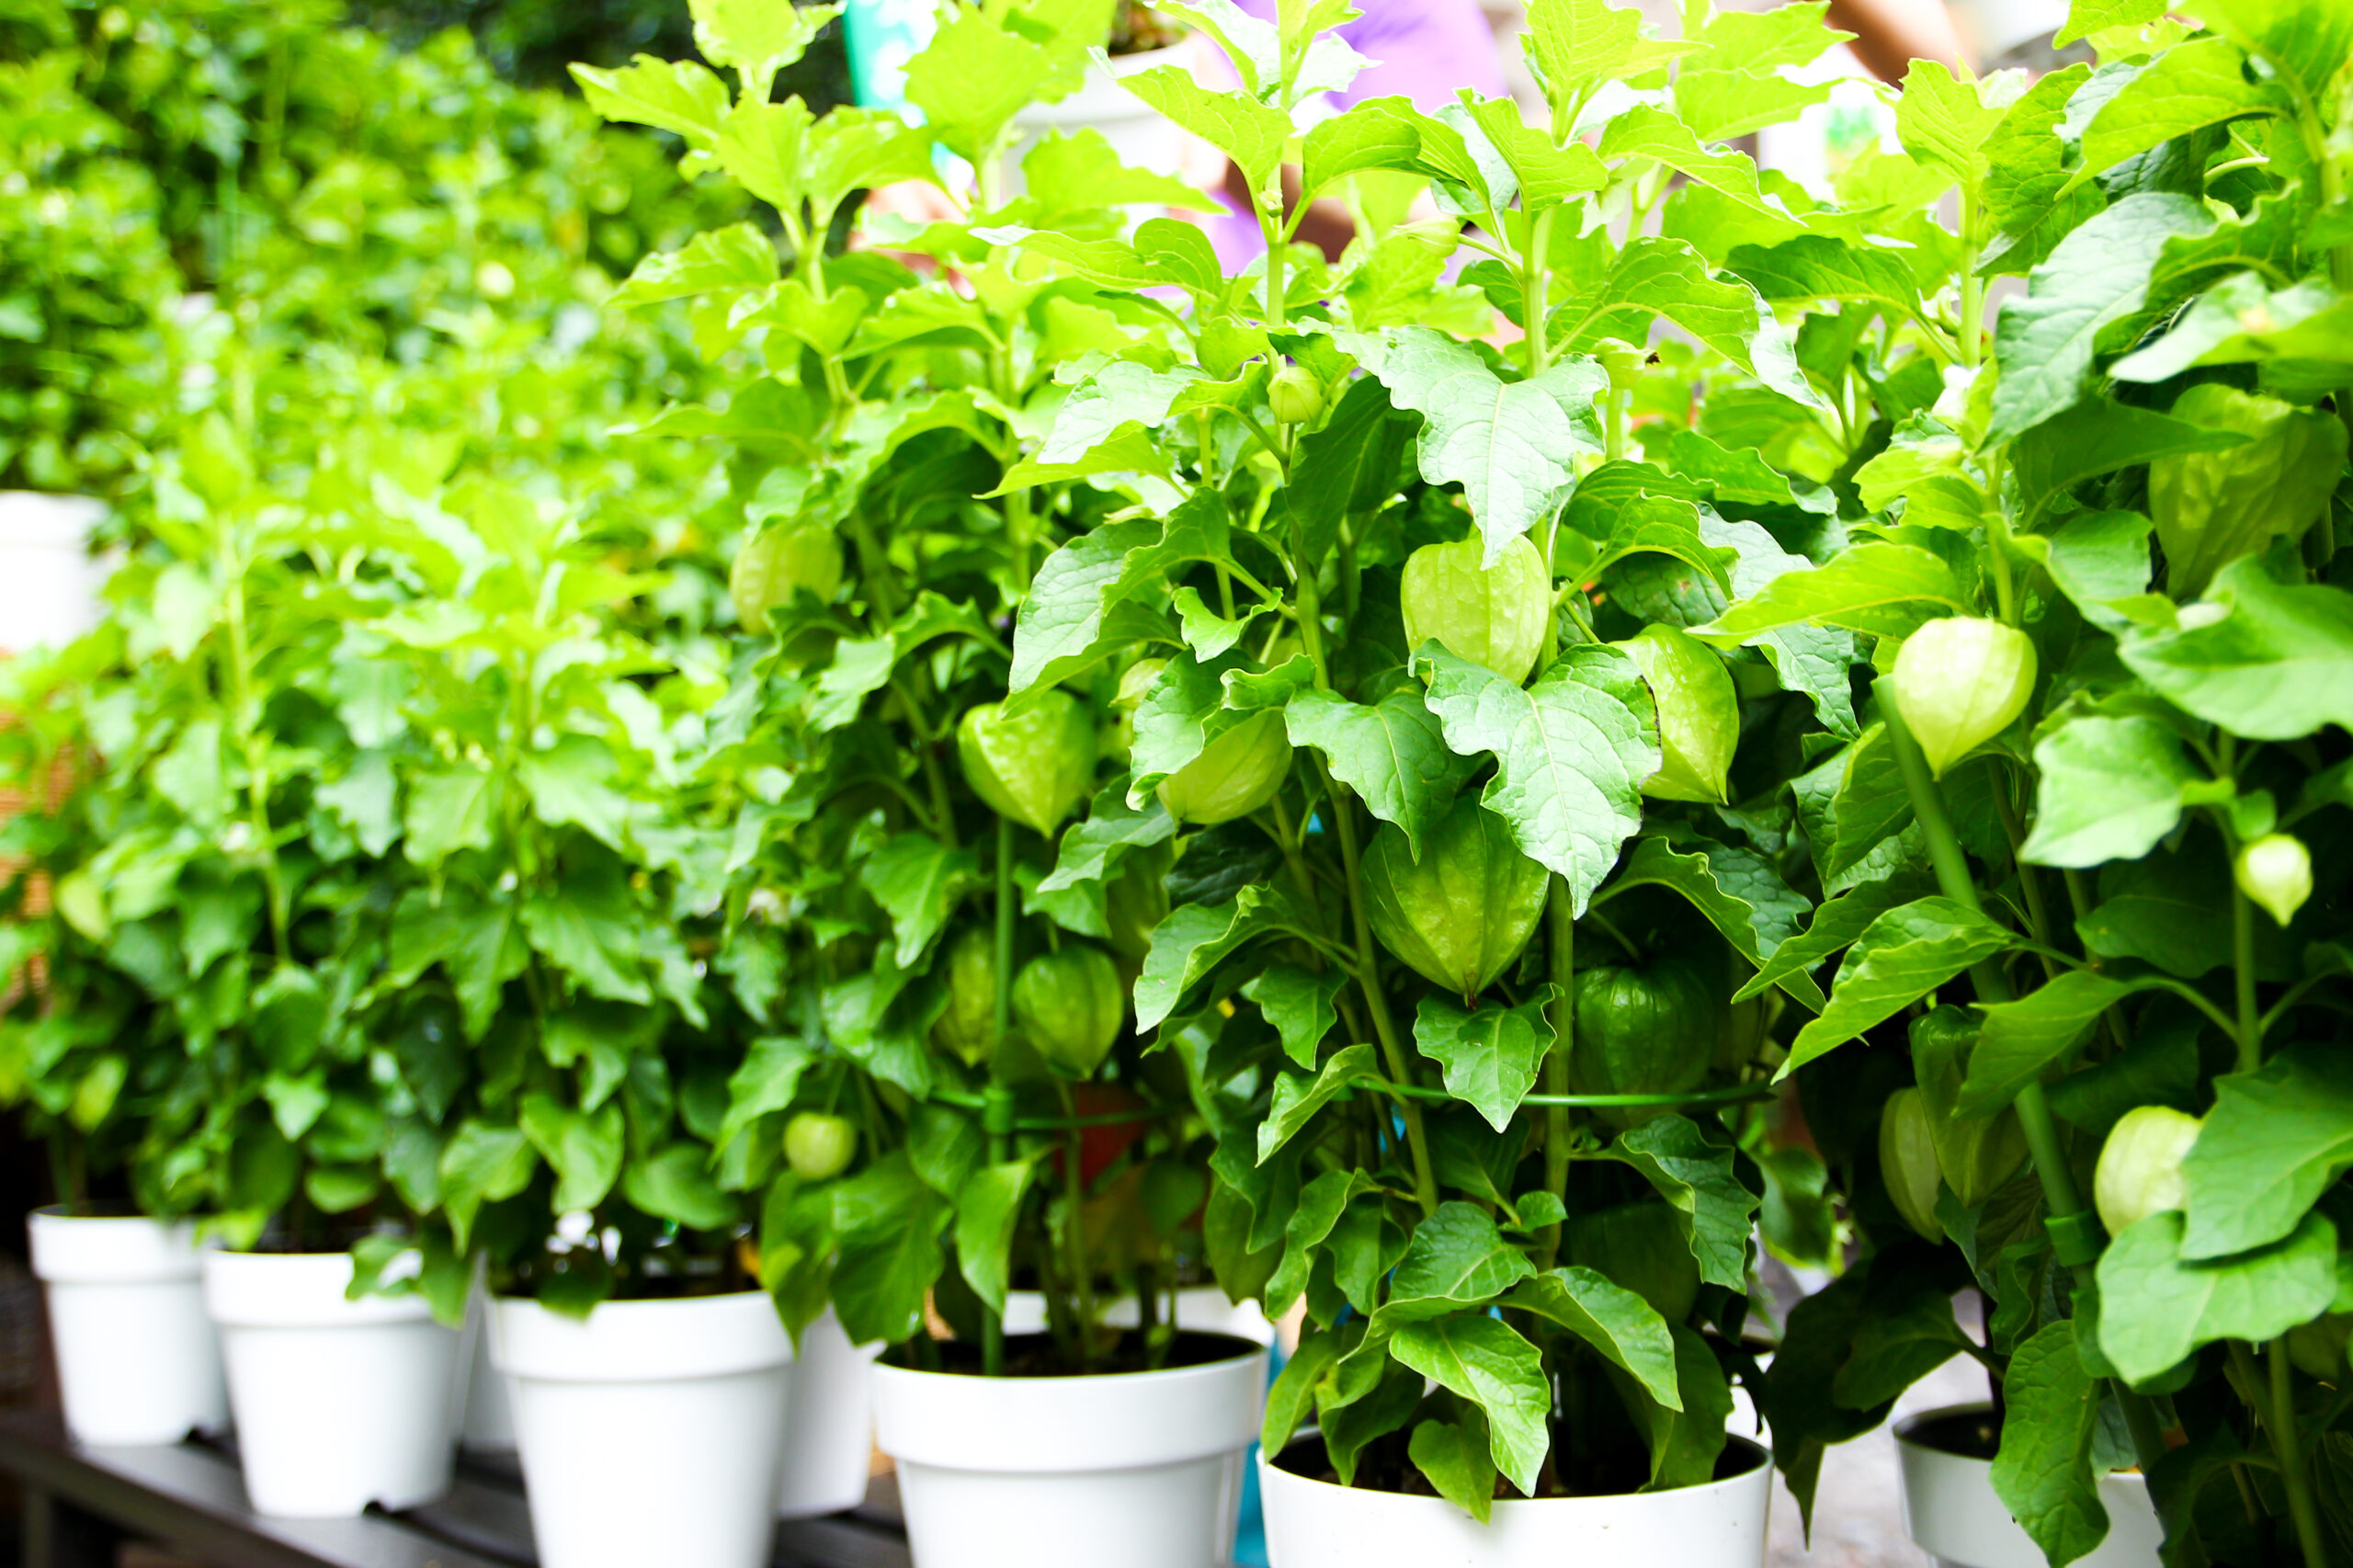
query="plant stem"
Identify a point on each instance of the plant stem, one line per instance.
(2075, 1233)
(1384, 1027)
(1564, 935)
(1081, 1277)
(992, 1323)
(2250, 1028)
(2292, 1471)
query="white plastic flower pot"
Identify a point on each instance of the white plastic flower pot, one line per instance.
(1320, 1524)
(650, 1431)
(49, 580)
(1133, 1470)
(137, 1359)
(1951, 1512)
(1139, 134)
(486, 1419)
(339, 1403)
(1202, 1308)
(828, 1424)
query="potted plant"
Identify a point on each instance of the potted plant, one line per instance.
(1549, 883)
(953, 1080)
(2087, 986)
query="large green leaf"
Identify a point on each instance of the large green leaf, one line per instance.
(585, 1148)
(1715, 1212)
(2111, 790)
(2189, 86)
(2043, 1473)
(986, 1207)
(1487, 1362)
(1195, 938)
(2157, 1306)
(2276, 665)
(1903, 956)
(1393, 754)
(1297, 1098)
(1880, 588)
(2019, 1038)
(1621, 1325)
(889, 1224)
(1512, 445)
(1456, 1259)
(1570, 752)
(1491, 1056)
(1741, 893)
(2277, 1138)
(2096, 277)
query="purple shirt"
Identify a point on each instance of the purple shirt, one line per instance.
(1427, 51)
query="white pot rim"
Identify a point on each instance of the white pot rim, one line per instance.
(1760, 1457)
(649, 1341)
(297, 1290)
(1244, 1349)
(38, 519)
(112, 1249)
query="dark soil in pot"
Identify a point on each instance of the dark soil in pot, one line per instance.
(1382, 1466)
(1037, 1356)
(1968, 1434)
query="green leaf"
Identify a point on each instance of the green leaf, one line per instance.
(1715, 1212)
(2111, 790)
(1576, 45)
(1458, 1461)
(2169, 910)
(1740, 893)
(1123, 398)
(1908, 1333)
(481, 1164)
(1250, 132)
(367, 800)
(2019, 1038)
(889, 1224)
(1880, 588)
(1903, 956)
(2189, 86)
(1195, 938)
(765, 1084)
(1720, 105)
(1293, 1393)
(1946, 123)
(591, 932)
(583, 1147)
(1490, 1057)
(1456, 1259)
(1625, 1329)
(1298, 1005)
(1513, 446)
(677, 1185)
(1298, 1098)
(1684, 1442)
(2277, 1138)
(918, 882)
(737, 257)
(2026, 170)
(1571, 754)
(1816, 267)
(1644, 131)
(1393, 754)
(1835, 927)
(2157, 1306)
(973, 77)
(2277, 665)
(571, 784)
(681, 96)
(2096, 277)
(986, 1207)
(1487, 1362)
(2098, 437)
(1061, 622)
(447, 812)
(2043, 1473)
(2100, 560)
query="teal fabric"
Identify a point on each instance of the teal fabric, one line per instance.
(883, 36)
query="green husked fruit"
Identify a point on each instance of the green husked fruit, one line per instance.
(1651, 1030)
(1070, 1006)
(966, 1031)
(2276, 871)
(2139, 1166)
(1461, 915)
(1907, 1162)
(1642, 1247)
(1699, 713)
(1236, 773)
(1491, 616)
(1976, 1155)
(776, 563)
(818, 1148)
(1034, 765)
(1959, 682)
(2211, 508)
(1295, 395)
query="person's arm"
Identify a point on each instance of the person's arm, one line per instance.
(1891, 34)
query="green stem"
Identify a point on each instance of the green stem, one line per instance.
(1081, 1277)
(2293, 1474)
(2250, 1018)
(1614, 435)
(1564, 933)
(1536, 278)
(996, 1112)
(1004, 913)
(1972, 296)
(2075, 1233)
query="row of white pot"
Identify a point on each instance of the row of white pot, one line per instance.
(658, 1430)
